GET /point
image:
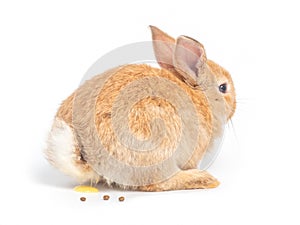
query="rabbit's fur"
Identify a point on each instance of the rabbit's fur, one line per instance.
(87, 121)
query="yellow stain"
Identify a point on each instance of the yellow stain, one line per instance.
(86, 189)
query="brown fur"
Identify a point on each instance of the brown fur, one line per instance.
(96, 97)
(222, 76)
(184, 180)
(146, 110)
(65, 112)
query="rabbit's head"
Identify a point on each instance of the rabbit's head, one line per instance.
(186, 58)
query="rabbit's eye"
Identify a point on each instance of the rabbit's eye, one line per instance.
(223, 88)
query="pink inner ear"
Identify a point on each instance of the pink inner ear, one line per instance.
(191, 45)
(188, 58)
(189, 54)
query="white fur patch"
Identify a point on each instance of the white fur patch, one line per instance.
(60, 152)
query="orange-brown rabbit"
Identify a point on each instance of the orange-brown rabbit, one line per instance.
(145, 128)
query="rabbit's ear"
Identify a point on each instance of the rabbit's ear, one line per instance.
(189, 59)
(163, 46)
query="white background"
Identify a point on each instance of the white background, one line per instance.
(46, 47)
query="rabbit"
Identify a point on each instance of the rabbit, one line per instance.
(144, 128)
